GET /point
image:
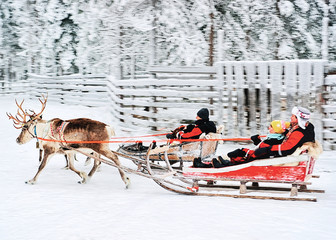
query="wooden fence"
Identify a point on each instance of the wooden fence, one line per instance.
(87, 90)
(244, 96)
(251, 94)
(13, 87)
(329, 113)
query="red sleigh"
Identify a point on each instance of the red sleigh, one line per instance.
(296, 170)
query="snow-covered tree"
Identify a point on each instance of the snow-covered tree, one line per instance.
(331, 34)
(182, 30)
(303, 23)
(123, 36)
(10, 63)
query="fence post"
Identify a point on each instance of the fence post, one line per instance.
(220, 79)
(251, 82)
(276, 75)
(318, 72)
(304, 70)
(263, 80)
(239, 73)
(290, 81)
(229, 89)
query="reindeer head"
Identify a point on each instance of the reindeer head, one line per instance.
(27, 125)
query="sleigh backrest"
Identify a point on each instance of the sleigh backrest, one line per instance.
(208, 148)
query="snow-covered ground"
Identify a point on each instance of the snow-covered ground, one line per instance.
(58, 208)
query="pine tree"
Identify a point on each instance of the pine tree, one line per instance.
(181, 31)
(10, 62)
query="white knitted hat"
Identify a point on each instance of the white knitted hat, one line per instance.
(302, 115)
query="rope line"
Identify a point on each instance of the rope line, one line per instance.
(143, 136)
(136, 141)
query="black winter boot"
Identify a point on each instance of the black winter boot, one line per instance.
(199, 164)
(216, 163)
(220, 162)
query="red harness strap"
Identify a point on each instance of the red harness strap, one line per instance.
(60, 130)
(51, 130)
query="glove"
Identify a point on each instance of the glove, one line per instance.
(170, 136)
(179, 134)
(176, 130)
(256, 140)
(262, 152)
(189, 128)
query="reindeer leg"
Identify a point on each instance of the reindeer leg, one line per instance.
(40, 156)
(66, 162)
(46, 156)
(96, 165)
(107, 153)
(71, 159)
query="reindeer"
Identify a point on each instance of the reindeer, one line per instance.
(60, 135)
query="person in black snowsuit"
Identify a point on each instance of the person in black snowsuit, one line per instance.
(191, 131)
(194, 131)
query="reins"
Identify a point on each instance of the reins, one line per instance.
(136, 141)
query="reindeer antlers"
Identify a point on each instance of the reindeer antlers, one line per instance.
(20, 118)
(44, 103)
(18, 123)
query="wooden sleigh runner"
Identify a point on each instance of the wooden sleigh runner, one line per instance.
(295, 170)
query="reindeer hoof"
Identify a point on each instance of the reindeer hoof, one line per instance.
(128, 183)
(84, 181)
(30, 182)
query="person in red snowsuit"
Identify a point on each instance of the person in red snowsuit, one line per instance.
(301, 131)
(278, 129)
(194, 131)
(276, 135)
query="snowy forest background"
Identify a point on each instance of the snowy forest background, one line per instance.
(57, 37)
